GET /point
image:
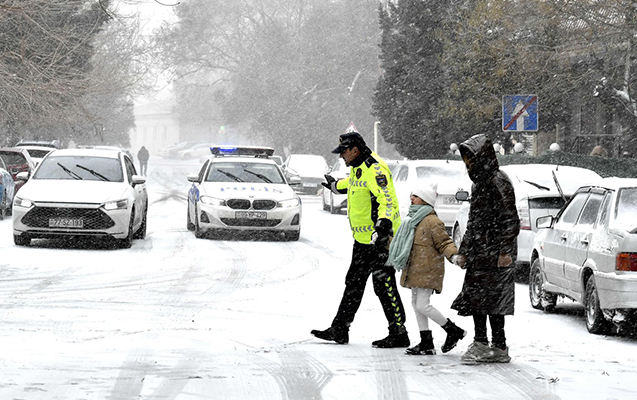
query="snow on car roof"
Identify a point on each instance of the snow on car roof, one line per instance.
(107, 153)
(535, 179)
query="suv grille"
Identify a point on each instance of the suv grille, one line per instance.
(93, 218)
(238, 204)
(245, 204)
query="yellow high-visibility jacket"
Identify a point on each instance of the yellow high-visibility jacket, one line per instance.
(370, 196)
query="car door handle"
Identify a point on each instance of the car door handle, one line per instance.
(584, 241)
(564, 236)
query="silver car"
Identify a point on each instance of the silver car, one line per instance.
(81, 192)
(335, 202)
(588, 253)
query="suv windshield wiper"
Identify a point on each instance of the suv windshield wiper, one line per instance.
(258, 175)
(228, 174)
(94, 173)
(71, 173)
(538, 185)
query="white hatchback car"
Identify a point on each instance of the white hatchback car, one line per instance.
(588, 253)
(81, 192)
(239, 189)
(335, 202)
(536, 195)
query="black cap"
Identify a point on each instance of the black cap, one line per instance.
(349, 140)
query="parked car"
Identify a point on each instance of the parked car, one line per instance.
(588, 253)
(335, 202)
(195, 151)
(17, 160)
(37, 153)
(449, 176)
(536, 194)
(54, 144)
(7, 190)
(239, 190)
(171, 151)
(82, 192)
(311, 168)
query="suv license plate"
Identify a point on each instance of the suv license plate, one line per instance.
(250, 214)
(449, 200)
(66, 223)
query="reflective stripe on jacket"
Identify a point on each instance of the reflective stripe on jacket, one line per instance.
(370, 195)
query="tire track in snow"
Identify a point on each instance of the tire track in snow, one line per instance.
(390, 380)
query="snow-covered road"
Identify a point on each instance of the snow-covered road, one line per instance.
(176, 317)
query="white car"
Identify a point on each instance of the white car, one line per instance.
(310, 168)
(81, 192)
(588, 253)
(536, 195)
(335, 202)
(37, 153)
(239, 189)
(450, 176)
(197, 151)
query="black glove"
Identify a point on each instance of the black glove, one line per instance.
(330, 180)
(382, 231)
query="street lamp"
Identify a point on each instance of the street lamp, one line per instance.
(518, 148)
(453, 147)
(554, 147)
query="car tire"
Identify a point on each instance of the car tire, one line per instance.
(595, 321)
(141, 232)
(21, 240)
(199, 233)
(456, 235)
(189, 225)
(127, 242)
(540, 299)
(292, 236)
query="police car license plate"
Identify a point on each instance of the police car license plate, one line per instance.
(449, 200)
(250, 214)
(66, 223)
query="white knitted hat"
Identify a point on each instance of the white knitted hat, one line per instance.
(427, 192)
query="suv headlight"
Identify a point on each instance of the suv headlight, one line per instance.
(212, 201)
(116, 205)
(289, 203)
(20, 202)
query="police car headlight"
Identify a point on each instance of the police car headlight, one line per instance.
(212, 201)
(20, 202)
(289, 203)
(116, 205)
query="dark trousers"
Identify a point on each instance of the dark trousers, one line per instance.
(497, 329)
(143, 166)
(368, 260)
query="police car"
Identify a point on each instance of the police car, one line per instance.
(240, 189)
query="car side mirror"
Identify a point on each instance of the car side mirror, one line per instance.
(138, 180)
(294, 180)
(194, 178)
(462, 195)
(544, 222)
(22, 176)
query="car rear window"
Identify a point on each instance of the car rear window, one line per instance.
(13, 158)
(547, 202)
(627, 205)
(38, 153)
(80, 168)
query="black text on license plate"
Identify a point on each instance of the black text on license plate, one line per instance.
(449, 200)
(250, 214)
(66, 223)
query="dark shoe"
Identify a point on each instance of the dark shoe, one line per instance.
(393, 340)
(425, 347)
(454, 334)
(334, 334)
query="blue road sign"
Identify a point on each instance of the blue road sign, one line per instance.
(519, 113)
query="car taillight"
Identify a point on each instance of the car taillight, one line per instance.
(524, 214)
(626, 262)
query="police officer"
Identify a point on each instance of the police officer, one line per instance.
(372, 209)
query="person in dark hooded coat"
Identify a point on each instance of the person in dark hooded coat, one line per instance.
(488, 291)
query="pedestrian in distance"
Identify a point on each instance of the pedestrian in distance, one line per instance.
(372, 209)
(143, 156)
(486, 251)
(419, 249)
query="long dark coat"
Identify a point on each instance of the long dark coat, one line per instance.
(492, 229)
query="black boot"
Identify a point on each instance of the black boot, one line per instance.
(425, 347)
(397, 338)
(336, 334)
(454, 333)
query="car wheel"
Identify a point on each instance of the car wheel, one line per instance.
(21, 240)
(292, 236)
(189, 225)
(141, 232)
(595, 320)
(127, 242)
(199, 233)
(540, 299)
(457, 239)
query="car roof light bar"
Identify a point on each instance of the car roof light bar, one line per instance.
(254, 151)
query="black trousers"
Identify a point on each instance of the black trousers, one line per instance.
(369, 260)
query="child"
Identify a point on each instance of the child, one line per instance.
(418, 249)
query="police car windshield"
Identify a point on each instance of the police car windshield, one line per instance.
(80, 168)
(244, 172)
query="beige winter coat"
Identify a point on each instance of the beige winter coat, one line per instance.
(426, 265)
